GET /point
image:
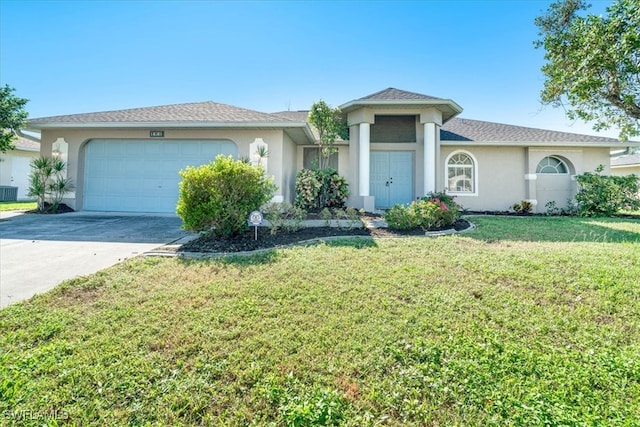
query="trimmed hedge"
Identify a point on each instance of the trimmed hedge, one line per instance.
(219, 196)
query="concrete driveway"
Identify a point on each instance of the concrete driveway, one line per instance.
(39, 251)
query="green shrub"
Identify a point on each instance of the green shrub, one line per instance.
(400, 217)
(307, 189)
(219, 196)
(320, 188)
(284, 217)
(524, 207)
(602, 195)
(334, 190)
(433, 211)
(350, 216)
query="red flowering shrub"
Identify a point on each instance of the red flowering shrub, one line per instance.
(433, 211)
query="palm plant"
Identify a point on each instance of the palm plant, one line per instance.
(48, 183)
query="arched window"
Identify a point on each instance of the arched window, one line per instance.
(552, 165)
(461, 173)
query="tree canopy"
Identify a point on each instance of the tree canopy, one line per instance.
(593, 63)
(13, 117)
(330, 126)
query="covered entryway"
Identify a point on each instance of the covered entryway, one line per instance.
(142, 175)
(391, 177)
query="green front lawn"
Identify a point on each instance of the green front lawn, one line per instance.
(17, 206)
(526, 321)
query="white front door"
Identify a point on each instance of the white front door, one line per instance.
(391, 177)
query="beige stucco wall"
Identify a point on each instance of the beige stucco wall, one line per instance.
(289, 160)
(504, 172)
(507, 175)
(500, 172)
(77, 138)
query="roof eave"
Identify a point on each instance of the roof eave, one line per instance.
(165, 125)
(352, 105)
(604, 144)
(176, 125)
(630, 165)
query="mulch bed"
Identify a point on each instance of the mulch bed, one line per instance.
(62, 208)
(247, 242)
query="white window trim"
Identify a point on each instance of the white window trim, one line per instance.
(475, 175)
(566, 166)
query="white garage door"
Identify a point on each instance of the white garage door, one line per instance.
(142, 176)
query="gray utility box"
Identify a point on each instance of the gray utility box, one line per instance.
(8, 194)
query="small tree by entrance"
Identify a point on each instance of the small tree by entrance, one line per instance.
(330, 125)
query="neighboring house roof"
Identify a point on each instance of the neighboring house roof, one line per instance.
(24, 144)
(467, 130)
(627, 160)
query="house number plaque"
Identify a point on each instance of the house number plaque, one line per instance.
(156, 133)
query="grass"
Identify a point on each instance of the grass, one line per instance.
(17, 206)
(526, 321)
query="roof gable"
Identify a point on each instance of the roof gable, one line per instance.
(397, 95)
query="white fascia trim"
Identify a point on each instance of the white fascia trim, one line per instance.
(635, 165)
(541, 144)
(27, 136)
(164, 125)
(403, 103)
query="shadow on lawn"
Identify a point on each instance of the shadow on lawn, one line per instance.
(556, 229)
(271, 255)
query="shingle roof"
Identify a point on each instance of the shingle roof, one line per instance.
(396, 94)
(628, 160)
(458, 129)
(26, 144)
(192, 112)
(296, 116)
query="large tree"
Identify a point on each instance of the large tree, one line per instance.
(330, 126)
(13, 117)
(593, 63)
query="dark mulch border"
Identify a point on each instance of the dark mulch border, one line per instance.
(247, 242)
(62, 208)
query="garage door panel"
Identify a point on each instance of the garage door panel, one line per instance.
(152, 148)
(142, 176)
(132, 149)
(190, 149)
(171, 149)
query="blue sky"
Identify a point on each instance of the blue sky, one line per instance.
(76, 56)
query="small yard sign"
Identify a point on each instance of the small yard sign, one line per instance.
(255, 219)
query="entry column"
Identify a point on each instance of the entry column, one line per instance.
(360, 151)
(364, 158)
(431, 119)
